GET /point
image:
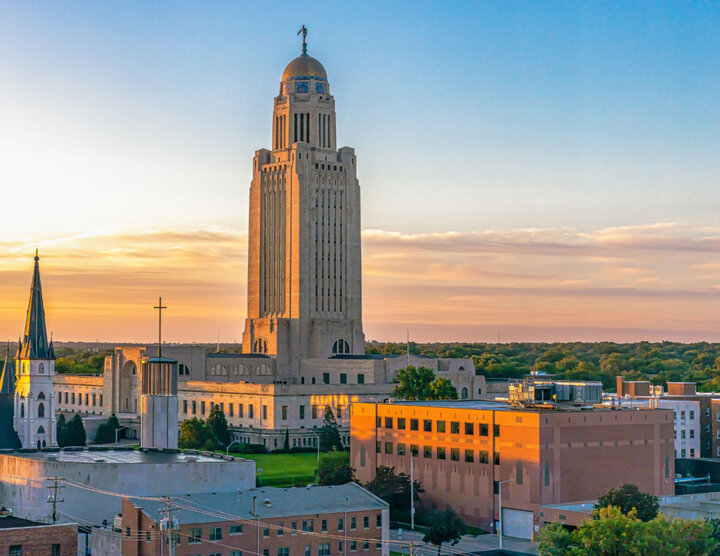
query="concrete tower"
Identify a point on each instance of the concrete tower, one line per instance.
(34, 418)
(304, 260)
(159, 403)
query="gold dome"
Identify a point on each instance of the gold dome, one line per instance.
(304, 66)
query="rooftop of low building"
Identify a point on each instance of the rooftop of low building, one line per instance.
(270, 502)
(126, 456)
(12, 522)
(489, 405)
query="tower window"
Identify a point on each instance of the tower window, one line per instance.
(41, 410)
(340, 347)
(260, 346)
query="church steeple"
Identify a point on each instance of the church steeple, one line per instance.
(34, 344)
(7, 377)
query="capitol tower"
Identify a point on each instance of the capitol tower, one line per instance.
(304, 258)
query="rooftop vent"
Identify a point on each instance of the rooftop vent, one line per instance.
(5, 512)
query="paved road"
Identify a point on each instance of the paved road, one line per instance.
(468, 544)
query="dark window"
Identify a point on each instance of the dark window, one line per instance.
(388, 422)
(55, 551)
(427, 425)
(413, 424)
(470, 428)
(341, 524)
(496, 458)
(378, 520)
(496, 430)
(284, 412)
(400, 450)
(366, 522)
(15, 550)
(378, 445)
(361, 378)
(469, 456)
(388, 448)
(414, 450)
(454, 427)
(483, 456)
(302, 412)
(378, 422)
(440, 427)
(343, 378)
(323, 525)
(455, 454)
(482, 429)
(518, 473)
(427, 451)
(546, 473)
(326, 378)
(440, 453)
(401, 423)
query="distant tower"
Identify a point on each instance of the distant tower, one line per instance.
(159, 399)
(35, 368)
(7, 380)
(304, 275)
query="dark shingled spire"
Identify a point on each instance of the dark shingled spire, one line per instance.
(35, 343)
(7, 377)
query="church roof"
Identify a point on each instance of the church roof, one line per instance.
(34, 344)
(7, 375)
(304, 67)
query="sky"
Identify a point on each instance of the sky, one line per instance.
(529, 171)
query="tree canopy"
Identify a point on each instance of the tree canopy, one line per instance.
(329, 433)
(8, 436)
(444, 527)
(105, 433)
(335, 469)
(629, 497)
(70, 433)
(615, 533)
(394, 489)
(198, 435)
(219, 425)
(422, 384)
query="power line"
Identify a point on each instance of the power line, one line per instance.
(53, 499)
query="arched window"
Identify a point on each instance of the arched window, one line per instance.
(41, 368)
(260, 346)
(464, 394)
(41, 430)
(313, 380)
(302, 380)
(462, 368)
(340, 347)
(22, 409)
(41, 396)
(41, 410)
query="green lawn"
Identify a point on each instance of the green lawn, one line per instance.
(283, 470)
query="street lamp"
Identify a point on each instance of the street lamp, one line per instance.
(500, 529)
(227, 452)
(117, 430)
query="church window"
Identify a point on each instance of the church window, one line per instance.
(41, 369)
(22, 410)
(464, 394)
(41, 396)
(41, 410)
(340, 347)
(260, 346)
(41, 430)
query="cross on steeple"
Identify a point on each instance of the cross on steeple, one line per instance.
(304, 31)
(159, 307)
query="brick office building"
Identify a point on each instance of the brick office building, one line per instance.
(344, 520)
(461, 450)
(22, 537)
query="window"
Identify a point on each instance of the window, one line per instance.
(194, 536)
(266, 552)
(682, 433)
(15, 550)
(264, 412)
(343, 378)
(682, 415)
(692, 433)
(55, 550)
(496, 430)
(353, 546)
(389, 448)
(378, 446)
(496, 458)
(341, 524)
(202, 408)
(388, 422)
(692, 414)
(236, 529)
(308, 525)
(366, 522)
(692, 452)
(308, 550)
(361, 378)
(284, 412)
(185, 407)
(281, 530)
(283, 551)
(483, 456)
(340, 347)
(293, 526)
(127, 531)
(427, 451)
(260, 346)
(215, 534)
(546, 472)
(251, 411)
(323, 525)
(469, 456)
(338, 412)
(440, 452)
(682, 453)
(518, 473)
(401, 424)
(266, 532)
(353, 523)
(455, 454)
(707, 412)
(315, 412)
(400, 450)
(236, 553)
(324, 549)
(454, 427)
(302, 412)
(413, 424)
(427, 425)
(231, 409)
(440, 427)
(470, 428)
(378, 520)
(366, 545)
(326, 378)
(414, 450)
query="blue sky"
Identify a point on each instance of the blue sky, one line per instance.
(490, 118)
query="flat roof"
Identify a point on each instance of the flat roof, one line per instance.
(490, 405)
(12, 522)
(269, 502)
(118, 456)
(584, 507)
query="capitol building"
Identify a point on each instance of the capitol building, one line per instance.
(303, 346)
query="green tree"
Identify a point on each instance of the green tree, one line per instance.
(62, 431)
(629, 497)
(198, 435)
(444, 527)
(394, 489)
(329, 434)
(614, 533)
(105, 433)
(421, 384)
(8, 436)
(218, 423)
(76, 431)
(335, 469)
(286, 444)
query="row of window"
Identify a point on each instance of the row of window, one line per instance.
(317, 411)
(682, 415)
(323, 549)
(692, 452)
(17, 550)
(483, 429)
(440, 452)
(90, 399)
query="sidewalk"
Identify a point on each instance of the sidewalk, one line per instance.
(468, 544)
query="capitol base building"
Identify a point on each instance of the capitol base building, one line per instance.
(303, 344)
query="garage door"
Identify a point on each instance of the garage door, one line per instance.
(517, 523)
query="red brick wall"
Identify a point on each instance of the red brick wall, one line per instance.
(38, 541)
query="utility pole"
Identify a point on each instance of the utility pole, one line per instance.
(54, 485)
(169, 524)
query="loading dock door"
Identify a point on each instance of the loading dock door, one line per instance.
(517, 523)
